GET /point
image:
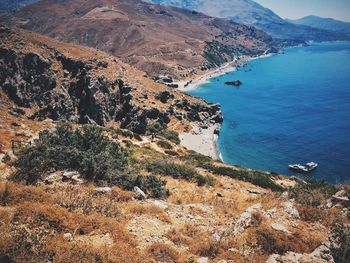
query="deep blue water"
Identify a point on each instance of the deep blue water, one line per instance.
(291, 108)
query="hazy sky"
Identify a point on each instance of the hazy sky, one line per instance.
(339, 9)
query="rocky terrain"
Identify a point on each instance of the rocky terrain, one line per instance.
(48, 79)
(92, 170)
(153, 38)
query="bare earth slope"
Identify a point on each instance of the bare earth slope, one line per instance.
(154, 38)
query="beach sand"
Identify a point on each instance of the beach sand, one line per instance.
(202, 141)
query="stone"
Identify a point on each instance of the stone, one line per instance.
(203, 260)
(102, 190)
(161, 204)
(50, 179)
(139, 193)
(218, 194)
(9, 157)
(257, 191)
(67, 175)
(341, 198)
(321, 254)
(244, 221)
(24, 133)
(280, 227)
(68, 236)
(290, 209)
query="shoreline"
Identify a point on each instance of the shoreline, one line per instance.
(219, 71)
(205, 141)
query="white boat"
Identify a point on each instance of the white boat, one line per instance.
(304, 168)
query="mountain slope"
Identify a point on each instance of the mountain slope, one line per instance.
(155, 39)
(43, 78)
(251, 13)
(324, 23)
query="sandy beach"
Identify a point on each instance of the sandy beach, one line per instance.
(200, 140)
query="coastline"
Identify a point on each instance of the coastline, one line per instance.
(205, 141)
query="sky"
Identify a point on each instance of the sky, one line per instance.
(293, 9)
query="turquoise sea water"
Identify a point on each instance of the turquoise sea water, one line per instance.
(291, 108)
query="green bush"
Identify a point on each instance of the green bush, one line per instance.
(175, 170)
(165, 145)
(164, 96)
(255, 177)
(172, 136)
(312, 193)
(340, 247)
(86, 150)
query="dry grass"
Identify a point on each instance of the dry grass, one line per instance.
(272, 242)
(82, 199)
(11, 194)
(151, 210)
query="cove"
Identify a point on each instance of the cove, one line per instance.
(291, 108)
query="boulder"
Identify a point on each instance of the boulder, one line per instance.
(102, 190)
(321, 254)
(280, 227)
(139, 193)
(290, 209)
(341, 198)
(203, 260)
(244, 221)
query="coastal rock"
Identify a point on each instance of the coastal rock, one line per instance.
(236, 83)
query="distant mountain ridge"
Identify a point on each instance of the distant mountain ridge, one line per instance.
(324, 23)
(251, 13)
(8, 5)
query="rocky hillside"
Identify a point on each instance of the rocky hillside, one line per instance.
(45, 78)
(153, 38)
(250, 13)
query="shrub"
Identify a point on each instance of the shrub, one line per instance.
(163, 253)
(255, 177)
(175, 170)
(156, 127)
(272, 242)
(313, 193)
(164, 96)
(86, 150)
(165, 145)
(311, 214)
(172, 136)
(340, 247)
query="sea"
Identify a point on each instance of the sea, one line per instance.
(291, 108)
